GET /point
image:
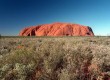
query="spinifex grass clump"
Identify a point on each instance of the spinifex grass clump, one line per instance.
(66, 58)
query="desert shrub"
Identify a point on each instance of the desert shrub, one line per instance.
(63, 58)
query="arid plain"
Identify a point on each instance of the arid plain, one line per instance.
(55, 58)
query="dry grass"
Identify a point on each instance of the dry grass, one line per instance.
(62, 58)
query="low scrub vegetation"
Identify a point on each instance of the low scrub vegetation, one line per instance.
(62, 58)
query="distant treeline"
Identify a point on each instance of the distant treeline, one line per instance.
(46, 36)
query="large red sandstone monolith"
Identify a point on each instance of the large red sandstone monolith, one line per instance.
(57, 29)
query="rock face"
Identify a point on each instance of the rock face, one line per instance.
(57, 29)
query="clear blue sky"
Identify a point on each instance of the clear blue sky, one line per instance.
(17, 14)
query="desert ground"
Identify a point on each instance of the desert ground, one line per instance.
(55, 58)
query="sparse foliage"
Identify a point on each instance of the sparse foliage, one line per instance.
(63, 58)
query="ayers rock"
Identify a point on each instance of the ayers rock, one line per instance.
(57, 29)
